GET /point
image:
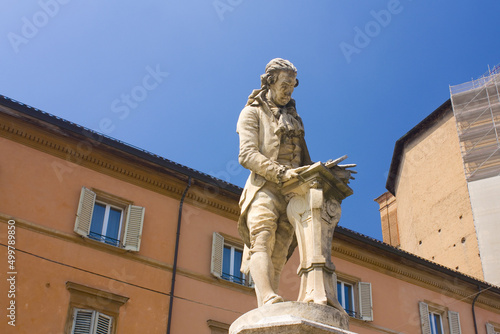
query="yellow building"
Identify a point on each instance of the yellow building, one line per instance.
(108, 238)
(444, 183)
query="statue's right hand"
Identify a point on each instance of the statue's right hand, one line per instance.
(293, 173)
(289, 174)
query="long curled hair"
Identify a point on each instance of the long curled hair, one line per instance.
(273, 69)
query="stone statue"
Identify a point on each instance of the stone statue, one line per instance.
(273, 148)
(287, 201)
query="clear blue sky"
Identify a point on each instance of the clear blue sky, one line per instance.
(369, 71)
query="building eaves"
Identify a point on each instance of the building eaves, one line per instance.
(408, 137)
(117, 144)
(156, 159)
(386, 248)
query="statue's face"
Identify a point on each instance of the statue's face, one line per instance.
(281, 91)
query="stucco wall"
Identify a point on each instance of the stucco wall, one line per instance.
(50, 254)
(395, 302)
(434, 213)
(33, 192)
(485, 199)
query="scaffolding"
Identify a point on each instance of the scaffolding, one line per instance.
(476, 106)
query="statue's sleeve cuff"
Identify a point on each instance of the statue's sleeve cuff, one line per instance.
(280, 172)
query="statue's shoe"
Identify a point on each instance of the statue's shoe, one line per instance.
(273, 300)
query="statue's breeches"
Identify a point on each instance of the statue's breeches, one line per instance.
(267, 223)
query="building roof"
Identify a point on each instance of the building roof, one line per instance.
(382, 247)
(117, 144)
(401, 143)
(341, 232)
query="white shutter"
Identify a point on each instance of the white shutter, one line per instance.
(85, 210)
(365, 301)
(490, 329)
(82, 321)
(103, 324)
(424, 318)
(454, 321)
(133, 228)
(217, 253)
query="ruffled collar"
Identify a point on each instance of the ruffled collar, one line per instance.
(289, 122)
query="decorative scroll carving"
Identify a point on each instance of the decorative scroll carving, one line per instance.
(314, 211)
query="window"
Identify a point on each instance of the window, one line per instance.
(91, 322)
(106, 223)
(92, 311)
(227, 256)
(432, 319)
(492, 328)
(109, 219)
(345, 295)
(355, 297)
(436, 324)
(231, 264)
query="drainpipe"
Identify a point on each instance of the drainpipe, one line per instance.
(473, 311)
(174, 269)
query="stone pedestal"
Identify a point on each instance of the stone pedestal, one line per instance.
(292, 318)
(314, 211)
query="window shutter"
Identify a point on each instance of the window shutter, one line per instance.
(82, 322)
(490, 329)
(84, 214)
(424, 318)
(103, 324)
(217, 252)
(133, 228)
(365, 301)
(454, 320)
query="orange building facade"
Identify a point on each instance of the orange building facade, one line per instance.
(107, 238)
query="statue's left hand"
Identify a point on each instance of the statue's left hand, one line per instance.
(342, 172)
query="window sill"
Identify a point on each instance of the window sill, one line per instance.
(233, 285)
(102, 245)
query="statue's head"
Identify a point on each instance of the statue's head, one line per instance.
(280, 79)
(273, 68)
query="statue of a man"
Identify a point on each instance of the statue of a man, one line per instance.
(273, 148)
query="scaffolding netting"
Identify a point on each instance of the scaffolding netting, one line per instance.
(476, 106)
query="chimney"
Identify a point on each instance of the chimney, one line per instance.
(389, 218)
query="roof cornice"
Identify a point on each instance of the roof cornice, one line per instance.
(35, 115)
(384, 249)
(61, 128)
(425, 124)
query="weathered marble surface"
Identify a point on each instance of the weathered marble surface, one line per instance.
(287, 195)
(292, 317)
(314, 211)
(273, 148)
